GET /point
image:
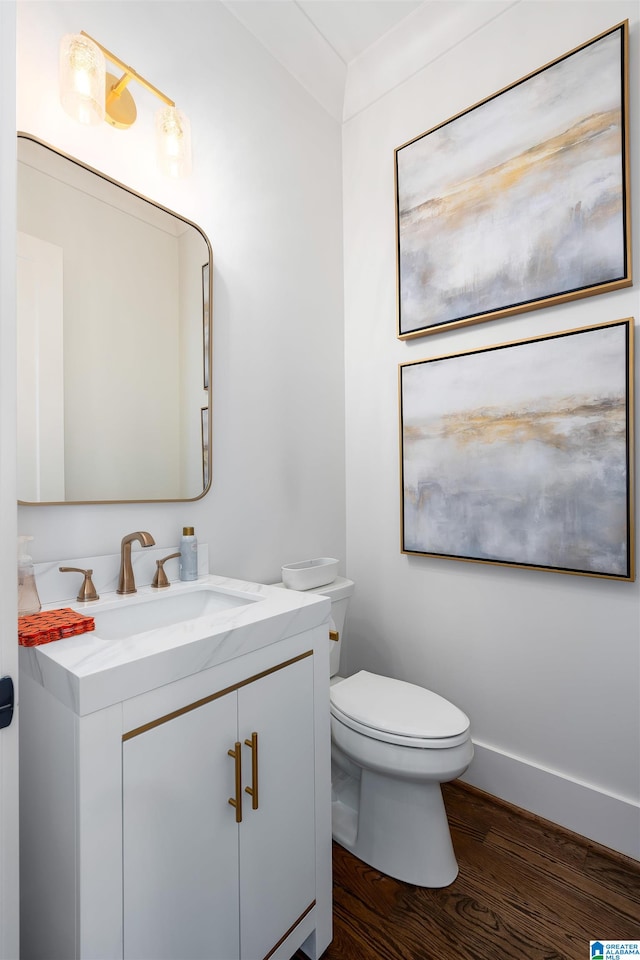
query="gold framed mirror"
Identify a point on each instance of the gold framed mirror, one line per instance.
(114, 339)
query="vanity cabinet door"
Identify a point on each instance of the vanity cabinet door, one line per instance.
(204, 879)
(180, 844)
(277, 840)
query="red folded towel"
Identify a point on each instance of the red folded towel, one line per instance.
(36, 628)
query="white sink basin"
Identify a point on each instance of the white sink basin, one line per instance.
(163, 610)
(148, 639)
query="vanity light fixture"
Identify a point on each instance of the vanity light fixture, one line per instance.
(90, 94)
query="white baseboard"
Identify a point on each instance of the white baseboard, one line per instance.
(610, 820)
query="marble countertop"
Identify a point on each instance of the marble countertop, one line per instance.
(88, 672)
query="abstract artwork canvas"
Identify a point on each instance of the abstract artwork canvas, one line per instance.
(521, 453)
(520, 201)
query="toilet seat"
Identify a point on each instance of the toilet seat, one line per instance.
(395, 711)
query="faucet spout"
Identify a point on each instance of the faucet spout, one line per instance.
(126, 580)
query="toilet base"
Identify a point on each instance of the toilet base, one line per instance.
(398, 827)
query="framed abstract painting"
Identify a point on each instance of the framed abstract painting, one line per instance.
(521, 454)
(520, 201)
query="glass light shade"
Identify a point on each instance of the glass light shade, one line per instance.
(82, 73)
(173, 137)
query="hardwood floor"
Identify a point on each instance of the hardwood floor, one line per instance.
(527, 890)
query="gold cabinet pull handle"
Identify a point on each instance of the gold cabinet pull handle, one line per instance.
(334, 635)
(236, 801)
(253, 789)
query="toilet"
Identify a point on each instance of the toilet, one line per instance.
(392, 744)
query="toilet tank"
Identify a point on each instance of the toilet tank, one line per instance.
(339, 592)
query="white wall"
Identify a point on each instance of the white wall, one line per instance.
(266, 189)
(9, 833)
(546, 666)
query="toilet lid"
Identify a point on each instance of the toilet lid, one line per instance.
(397, 707)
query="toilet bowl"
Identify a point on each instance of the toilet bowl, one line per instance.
(392, 744)
(400, 824)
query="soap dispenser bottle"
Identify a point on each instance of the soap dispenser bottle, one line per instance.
(188, 555)
(28, 599)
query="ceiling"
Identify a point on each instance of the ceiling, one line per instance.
(349, 53)
(350, 26)
(317, 40)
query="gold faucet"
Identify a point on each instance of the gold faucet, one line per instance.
(126, 581)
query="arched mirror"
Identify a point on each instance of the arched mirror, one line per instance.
(114, 339)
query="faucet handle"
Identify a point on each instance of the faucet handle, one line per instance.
(161, 580)
(87, 590)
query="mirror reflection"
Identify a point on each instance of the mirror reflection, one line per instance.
(114, 335)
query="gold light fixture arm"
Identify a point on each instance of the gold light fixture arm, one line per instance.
(128, 74)
(116, 90)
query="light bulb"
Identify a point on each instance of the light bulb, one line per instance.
(173, 134)
(82, 79)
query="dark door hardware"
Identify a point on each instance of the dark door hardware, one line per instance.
(6, 701)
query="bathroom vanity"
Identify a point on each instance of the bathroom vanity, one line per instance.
(175, 778)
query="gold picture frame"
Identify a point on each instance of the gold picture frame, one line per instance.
(522, 200)
(521, 453)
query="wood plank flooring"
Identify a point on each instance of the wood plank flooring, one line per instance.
(527, 890)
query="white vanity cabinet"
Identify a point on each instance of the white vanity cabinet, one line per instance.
(225, 881)
(130, 753)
